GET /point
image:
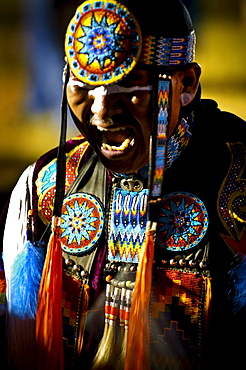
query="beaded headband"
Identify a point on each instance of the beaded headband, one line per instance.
(168, 51)
(104, 42)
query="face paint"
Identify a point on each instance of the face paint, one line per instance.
(108, 89)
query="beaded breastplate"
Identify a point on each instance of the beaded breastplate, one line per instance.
(183, 222)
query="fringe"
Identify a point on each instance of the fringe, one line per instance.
(207, 302)
(137, 350)
(125, 322)
(107, 344)
(112, 348)
(82, 323)
(49, 311)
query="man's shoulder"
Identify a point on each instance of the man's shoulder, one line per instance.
(51, 155)
(76, 150)
(227, 126)
(45, 172)
(70, 145)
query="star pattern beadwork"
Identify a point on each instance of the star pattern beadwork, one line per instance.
(100, 41)
(183, 221)
(103, 42)
(81, 223)
(77, 223)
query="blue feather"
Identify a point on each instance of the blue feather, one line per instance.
(237, 292)
(25, 280)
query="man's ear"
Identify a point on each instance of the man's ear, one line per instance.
(190, 82)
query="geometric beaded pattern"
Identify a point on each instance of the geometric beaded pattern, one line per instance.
(168, 51)
(70, 308)
(175, 312)
(127, 225)
(179, 140)
(163, 106)
(182, 223)
(46, 181)
(103, 42)
(82, 221)
(232, 195)
(232, 200)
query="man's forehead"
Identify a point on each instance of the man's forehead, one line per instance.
(138, 79)
(139, 76)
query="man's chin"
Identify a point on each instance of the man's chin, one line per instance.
(116, 154)
(116, 162)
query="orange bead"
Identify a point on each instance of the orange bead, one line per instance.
(109, 278)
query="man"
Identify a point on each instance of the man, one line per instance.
(149, 214)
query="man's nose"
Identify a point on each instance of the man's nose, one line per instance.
(105, 105)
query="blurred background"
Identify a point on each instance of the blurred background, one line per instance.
(31, 63)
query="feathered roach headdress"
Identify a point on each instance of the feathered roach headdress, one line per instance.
(104, 41)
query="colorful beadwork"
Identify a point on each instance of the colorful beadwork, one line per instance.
(177, 316)
(232, 199)
(127, 225)
(82, 221)
(168, 51)
(183, 221)
(163, 105)
(103, 42)
(46, 181)
(71, 289)
(179, 140)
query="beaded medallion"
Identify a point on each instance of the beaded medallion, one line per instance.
(103, 42)
(127, 225)
(183, 221)
(82, 221)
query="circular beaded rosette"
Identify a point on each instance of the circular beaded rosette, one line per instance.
(183, 221)
(103, 42)
(82, 221)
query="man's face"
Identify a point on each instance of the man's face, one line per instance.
(116, 119)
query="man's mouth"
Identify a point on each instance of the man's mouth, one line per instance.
(116, 139)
